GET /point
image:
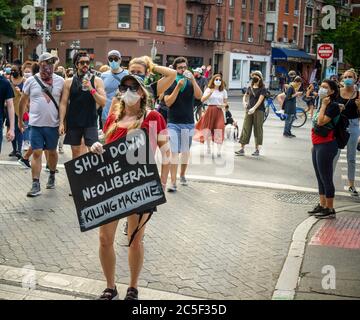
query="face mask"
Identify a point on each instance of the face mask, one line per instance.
(46, 71)
(15, 74)
(142, 76)
(217, 83)
(27, 75)
(323, 93)
(130, 98)
(8, 70)
(114, 65)
(348, 82)
(255, 80)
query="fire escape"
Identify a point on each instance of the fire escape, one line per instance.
(197, 32)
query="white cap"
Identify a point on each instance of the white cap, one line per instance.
(114, 53)
(47, 56)
(199, 70)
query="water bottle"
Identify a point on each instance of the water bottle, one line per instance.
(85, 79)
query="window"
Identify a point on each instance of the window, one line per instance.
(124, 13)
(251, 5)
(230, 30)
(272, 5)
(307, 43)
(318, 18)
(84, 17)
(261, 33)
(242, 31)
(309, 13)
(236, 69)
(231, 3)
(58, 18)
(261, 6)
(147, 18)
(199, 25)
(270, 32)
(160, 17)
(49, 22)
(189, 19)
(243, 4)
(217, 28)
(285, 29)
(251, 30)
(287, 6)
(295, 33)
(296, 5)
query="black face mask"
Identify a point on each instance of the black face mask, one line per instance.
(15, 74)
(255, 80)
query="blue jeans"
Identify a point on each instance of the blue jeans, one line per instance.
(351, 151)
(288, 123)
(1, 132)
(17, 142)
(26, 134)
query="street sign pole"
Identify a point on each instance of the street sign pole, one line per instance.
(44, 27)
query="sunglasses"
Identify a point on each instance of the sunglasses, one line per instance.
(84, 63)
(133, 88)
(181, 68)
(50, 61)
(113, 59)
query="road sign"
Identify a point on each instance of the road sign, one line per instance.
(325, 51)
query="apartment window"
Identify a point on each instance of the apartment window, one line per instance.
(295, 33)
(160, 17)
(49, 22)
(261, 33)
(124, 13)
(147, 18)
(243, 4)
(307, 43)
(270, 32)
(58, 18)
(285, 29)
(231, 3)
(199, 25)
(309, 14)
(287, 6)
(296, 5)
(189, 21)
(251, 30)
(217, 28)
(272, 5)
(318, 18)
(84, 17)
(242, 31)
(230, 30)
(251, 5)
(261, 6)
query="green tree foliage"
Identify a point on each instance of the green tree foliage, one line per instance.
(11, 16)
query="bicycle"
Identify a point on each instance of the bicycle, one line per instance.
(300, 116)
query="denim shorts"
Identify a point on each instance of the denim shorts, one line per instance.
(180, 136)
(44, 138)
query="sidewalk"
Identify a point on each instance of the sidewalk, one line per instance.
(210, 241)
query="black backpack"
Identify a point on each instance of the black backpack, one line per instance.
(341, 132)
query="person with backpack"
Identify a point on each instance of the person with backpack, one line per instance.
(325, 148)
(350, 98)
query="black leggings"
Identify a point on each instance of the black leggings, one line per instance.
(323, 156)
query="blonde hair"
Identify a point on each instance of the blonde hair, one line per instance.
(352, 70)
(144, 61)
(119, 108)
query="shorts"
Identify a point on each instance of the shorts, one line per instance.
(74, 135)
(44, 138)
(180, 136)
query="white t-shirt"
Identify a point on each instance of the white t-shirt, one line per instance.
(43, 112)
(217, 97)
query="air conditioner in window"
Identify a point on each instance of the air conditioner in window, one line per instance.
(285, 40)
(250, 39)
(296, 13)
(160, 28)
(123, 25)
(219, 1)
(58, 27)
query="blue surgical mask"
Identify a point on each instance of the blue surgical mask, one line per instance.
(142, 76)
(8, 70)
(114, 65)
(348, 82)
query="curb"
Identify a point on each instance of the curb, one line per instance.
(288, 280)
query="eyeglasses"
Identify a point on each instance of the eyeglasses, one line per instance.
(181, 68)
(111, 59)
(133, 88)
(84, 63)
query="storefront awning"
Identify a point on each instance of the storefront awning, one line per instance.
(284, 54)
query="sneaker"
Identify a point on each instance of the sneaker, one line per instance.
(109, 294)
(292, 135)
(326, 213)
(172, 188)
(256, 153)
(51, 182)
(183, 181)
(241, 152)
(131, 294)
(353, 192)
(125, 225)
(61, 150)
(25, 163)
(317, 209)
(18, 155)
(12, 154)
(35, 190)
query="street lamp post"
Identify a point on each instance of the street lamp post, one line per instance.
(44, 26)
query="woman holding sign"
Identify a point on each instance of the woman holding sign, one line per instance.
(128, 112)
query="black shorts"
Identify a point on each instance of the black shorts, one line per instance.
(74, 135)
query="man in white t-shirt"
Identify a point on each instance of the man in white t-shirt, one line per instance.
(44, 91)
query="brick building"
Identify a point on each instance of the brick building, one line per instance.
(355, 8)
(227, 34)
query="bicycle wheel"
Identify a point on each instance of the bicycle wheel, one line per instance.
(266, 113)
(300, 118)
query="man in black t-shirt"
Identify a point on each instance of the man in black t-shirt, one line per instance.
(180, 100)
(6, 95)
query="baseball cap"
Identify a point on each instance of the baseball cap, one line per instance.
(199, 70)
(134, 77)
(114, 53)
(47, 56)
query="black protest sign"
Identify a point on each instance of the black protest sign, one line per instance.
(120, 182)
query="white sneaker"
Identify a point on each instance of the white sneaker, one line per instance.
(172, 188)
(183, 181)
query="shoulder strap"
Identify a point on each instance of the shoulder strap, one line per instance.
(47, 92)
(115, 77)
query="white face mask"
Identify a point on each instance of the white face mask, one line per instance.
(130, 98)
(217, 83)
(323, 93)
(27, 75)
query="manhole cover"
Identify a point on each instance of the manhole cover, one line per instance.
(297, 197)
